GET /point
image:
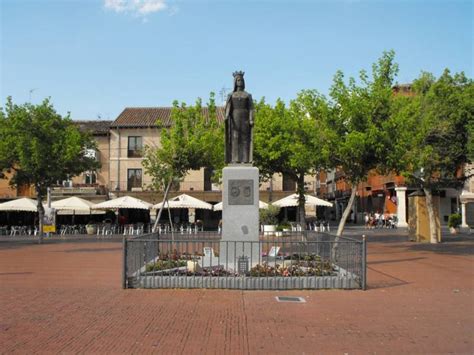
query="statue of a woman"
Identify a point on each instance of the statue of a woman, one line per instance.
(239, 123)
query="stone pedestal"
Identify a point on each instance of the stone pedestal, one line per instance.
(240, 218)
(401, 207)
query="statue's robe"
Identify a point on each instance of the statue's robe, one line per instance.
(229, 127)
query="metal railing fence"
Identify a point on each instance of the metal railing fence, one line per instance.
(307, 260)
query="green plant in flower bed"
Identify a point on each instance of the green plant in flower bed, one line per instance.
(301, 268)
(305, 257)
(213, 272)
(300, 265)
(165, 265)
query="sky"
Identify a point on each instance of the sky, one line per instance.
(93, 58)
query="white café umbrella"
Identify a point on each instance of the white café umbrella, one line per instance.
(261, 205)
(75, 206)
(185, 201)
(21, 205)
(122, 203)
(292, 201)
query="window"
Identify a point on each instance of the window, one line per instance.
(134, 179)
(90, 178)
(288, 183)
(135, 147)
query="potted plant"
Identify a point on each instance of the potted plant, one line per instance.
(454, 222)
(285, 226)
(91, 228)
(268, 219)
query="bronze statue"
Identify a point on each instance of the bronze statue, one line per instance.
(239, 123)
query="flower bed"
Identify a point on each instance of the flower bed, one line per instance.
(296, 268)
(294, 265)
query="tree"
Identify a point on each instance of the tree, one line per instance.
(41, 148)
(356, 124)
(435, 127)
(288, 140)
(194, 140)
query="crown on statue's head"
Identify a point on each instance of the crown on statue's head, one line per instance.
(236, 73)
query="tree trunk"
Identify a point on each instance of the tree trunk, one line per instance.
(431, 216)
(347, 211)
(165, 198)
(39, 199)
(301, 202)
(342, 222)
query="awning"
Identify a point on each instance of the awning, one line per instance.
(20, 205)
(123, 202)
(185, 201)
(292, 201)
(74, 205)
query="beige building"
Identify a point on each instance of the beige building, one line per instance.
(94, 180)
(132, 131)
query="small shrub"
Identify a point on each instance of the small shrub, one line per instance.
(269, 216)
(283, 226)
(165, 265)
(454, 220)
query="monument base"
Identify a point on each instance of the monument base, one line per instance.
(240, 218)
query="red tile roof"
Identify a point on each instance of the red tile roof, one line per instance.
(149, 116)
(94, 127)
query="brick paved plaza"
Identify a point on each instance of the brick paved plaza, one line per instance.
(67, 298)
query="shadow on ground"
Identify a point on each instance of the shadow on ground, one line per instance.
(451, 247)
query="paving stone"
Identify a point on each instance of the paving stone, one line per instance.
(67, 298)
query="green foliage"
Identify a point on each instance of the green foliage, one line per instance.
(282, 226)
(195, 140)
(40, 147)
(165, 265)
(470, 135)
(269, 215)
(289, 140)
(436, 130)
(357, 123)
(454, 220)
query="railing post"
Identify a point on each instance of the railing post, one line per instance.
(364, 263)
(124, 266)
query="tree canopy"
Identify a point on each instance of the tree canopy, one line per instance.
(195, 140)
(357, 123)
(288, 140)
(436, 123)
(436, 131)
(40, 147)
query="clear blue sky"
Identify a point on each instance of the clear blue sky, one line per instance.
(96, 57)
